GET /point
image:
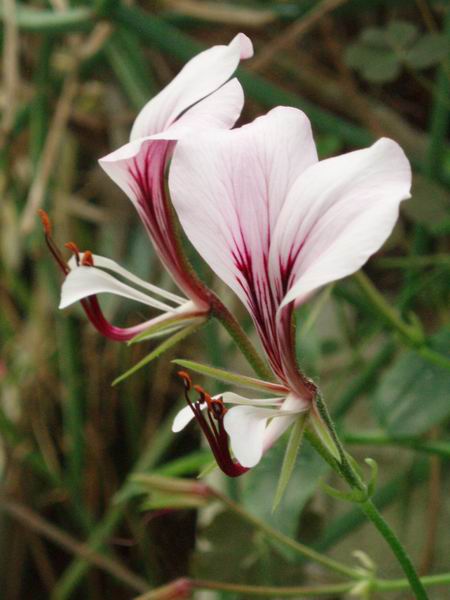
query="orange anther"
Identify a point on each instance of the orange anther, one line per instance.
(186, 379)
(88, 259)
(45, 220)
(72, 247)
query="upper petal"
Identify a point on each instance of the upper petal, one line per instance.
(201, 76)
(338, 213)
(239, 180)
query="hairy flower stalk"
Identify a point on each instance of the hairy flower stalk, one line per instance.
(276, 224)
(201, 97)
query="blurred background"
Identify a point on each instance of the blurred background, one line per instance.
(73, 522)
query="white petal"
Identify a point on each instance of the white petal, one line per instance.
(201, 76)
(239, 179)
(88, 281)
(246, 426)
(182, 418)
(338, 213)
(111, 265)
(232, 398)
(220, 110)
(290, 409)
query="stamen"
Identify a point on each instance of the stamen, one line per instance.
(88, 259)
(75, 251)
(45, 220)
(47, 226)
(186, 379)
(212, 426)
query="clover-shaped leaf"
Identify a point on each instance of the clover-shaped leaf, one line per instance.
(379, 53)
(428, 51)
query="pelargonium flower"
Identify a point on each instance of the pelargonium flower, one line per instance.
(200, 97)
(276, 224)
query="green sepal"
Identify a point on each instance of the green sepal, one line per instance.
(166, 326)
(232, 378)
(290, 456)
(163, 347)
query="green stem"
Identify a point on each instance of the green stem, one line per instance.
(394, 585)
(221, 313)
(409, 333)
(347, 471)
(181, 587)
(380, 438)
(49, 21)
(285, 540)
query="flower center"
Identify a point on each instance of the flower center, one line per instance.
(210, 419)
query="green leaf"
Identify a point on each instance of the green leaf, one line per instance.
(428, 51)
(258, 485)
(413, 396)
(429, 206)
(163, 347)
(401, 34)
(233, 378)
(377, 65)
(290, 456)
(373, 36)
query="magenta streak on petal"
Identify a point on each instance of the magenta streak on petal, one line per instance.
(261, 302)
(147, 171)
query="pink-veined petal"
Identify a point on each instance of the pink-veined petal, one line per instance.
(199, 78)
(83, 282)
(138, 168)
(338, 213)
(220, 110)
(239, 180)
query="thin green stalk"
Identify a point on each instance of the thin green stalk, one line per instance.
(347, 471)
(49, 21)
(416, 585)
(380, 438)
(394, 585)
(412, 335)
(285, 540)
(242, 341)
(273, 591)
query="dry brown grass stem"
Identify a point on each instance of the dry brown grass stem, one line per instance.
(293, 33)
(58, 125)
(10, 65)
(34, 522)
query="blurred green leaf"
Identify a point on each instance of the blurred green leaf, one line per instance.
(400, 34)
(429, 206)
(378, 54)
(375, 64)
(428, 51)
(259, 485)
(414, 394)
